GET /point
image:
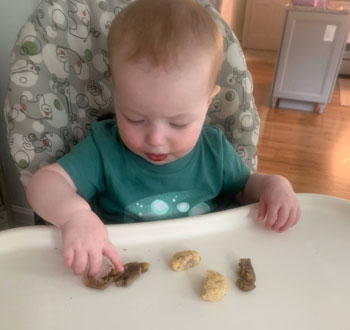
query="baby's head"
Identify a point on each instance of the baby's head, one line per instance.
(165, 56)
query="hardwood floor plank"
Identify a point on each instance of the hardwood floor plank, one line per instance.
(312, 150)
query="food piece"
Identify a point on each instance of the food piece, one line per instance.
(215, 286)
(185, 259)
(94, 283)
(247, 276)
(131, 272)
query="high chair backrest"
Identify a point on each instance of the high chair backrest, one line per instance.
(60, 83)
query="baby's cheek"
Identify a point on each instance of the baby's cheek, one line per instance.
(133, 143)
(187, 142)
(130, 139)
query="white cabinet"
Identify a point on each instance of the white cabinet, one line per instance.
(311, 50)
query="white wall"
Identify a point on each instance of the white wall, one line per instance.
(13, 13)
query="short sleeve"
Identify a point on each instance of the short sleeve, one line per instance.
(84, 166)
(235, 172)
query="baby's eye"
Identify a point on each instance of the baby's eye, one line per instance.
(133, 121)
(175, 125)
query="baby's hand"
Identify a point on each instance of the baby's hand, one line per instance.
(279, 205)
(85, 242)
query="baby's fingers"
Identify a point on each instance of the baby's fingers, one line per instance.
(68, 256)
(271, 217)
(282, 219)
(262, 210)
(80, 261)
(95, 261)
(292, 220)
(111, 253)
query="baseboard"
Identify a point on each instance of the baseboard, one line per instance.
(23, 215)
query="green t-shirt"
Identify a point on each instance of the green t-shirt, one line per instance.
(123, 187)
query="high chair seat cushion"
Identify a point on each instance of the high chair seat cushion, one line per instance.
(60, 83)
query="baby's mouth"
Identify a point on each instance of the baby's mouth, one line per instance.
(157, 157)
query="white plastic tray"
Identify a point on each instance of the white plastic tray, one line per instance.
(302, 275)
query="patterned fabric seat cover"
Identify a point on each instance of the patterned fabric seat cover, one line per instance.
(60, 82)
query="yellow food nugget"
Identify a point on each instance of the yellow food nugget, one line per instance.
(215, 286)
(185, 259)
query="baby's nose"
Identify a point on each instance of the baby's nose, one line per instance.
(155, 137)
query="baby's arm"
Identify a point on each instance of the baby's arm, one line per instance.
(53, 196)
(277, 200)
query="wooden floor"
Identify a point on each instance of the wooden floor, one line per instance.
(312, 150)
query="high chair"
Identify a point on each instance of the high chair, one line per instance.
(60, 83)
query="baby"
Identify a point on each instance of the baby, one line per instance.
(157, 160)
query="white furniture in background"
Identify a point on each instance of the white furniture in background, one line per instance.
(310, 54)
(345, 64)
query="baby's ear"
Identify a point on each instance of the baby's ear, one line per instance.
(215, 90)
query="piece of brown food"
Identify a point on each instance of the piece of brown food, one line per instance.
(131, 272)
(94, 283)
(247, 276)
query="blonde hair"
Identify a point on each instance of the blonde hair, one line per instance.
(160, 30)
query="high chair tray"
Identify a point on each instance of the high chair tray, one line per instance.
(302, 275)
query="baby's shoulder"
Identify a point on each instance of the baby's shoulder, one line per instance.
(105, 133)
